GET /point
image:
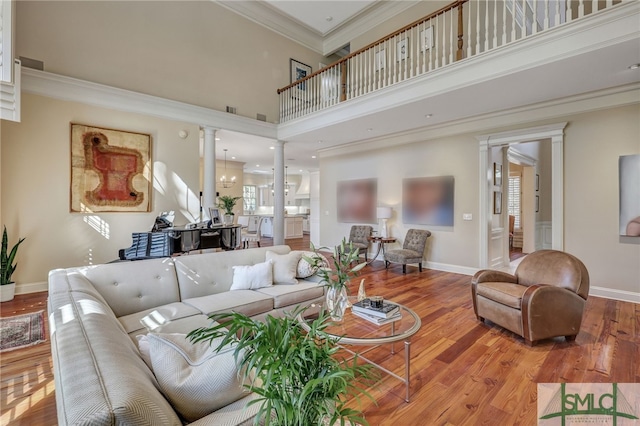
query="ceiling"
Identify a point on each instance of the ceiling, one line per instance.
(322, 16)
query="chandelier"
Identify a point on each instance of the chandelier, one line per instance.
(226, 183)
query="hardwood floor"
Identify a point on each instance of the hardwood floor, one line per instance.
(463, 372)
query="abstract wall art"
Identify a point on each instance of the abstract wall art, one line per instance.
(428, 201)
(357, 201)
(110, 170)
(629, 168)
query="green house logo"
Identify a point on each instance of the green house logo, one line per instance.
(602, 403)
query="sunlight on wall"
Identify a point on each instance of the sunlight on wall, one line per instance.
(159, 177)
(171, 185)
(96, 222)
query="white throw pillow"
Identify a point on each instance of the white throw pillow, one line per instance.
(305, 269)
(252, 277)
(195, 378)
(143, 347)
(285, 266)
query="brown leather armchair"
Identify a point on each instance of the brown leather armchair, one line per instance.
(545, 298)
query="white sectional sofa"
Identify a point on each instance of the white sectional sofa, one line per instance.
(96, 312)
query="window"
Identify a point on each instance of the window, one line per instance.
(249, 197)
(514, 198)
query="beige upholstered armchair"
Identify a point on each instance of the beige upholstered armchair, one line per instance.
(545, 298)
(412, 250)
(359, 238)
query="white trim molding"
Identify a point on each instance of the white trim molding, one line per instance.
(612, 293)
(445, 267)
(71, 89)
(32, 287)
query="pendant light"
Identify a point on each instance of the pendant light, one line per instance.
(223, 180)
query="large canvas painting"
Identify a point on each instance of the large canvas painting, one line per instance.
(629, 166)
(428, 201)
(110, 170)
(357, 201)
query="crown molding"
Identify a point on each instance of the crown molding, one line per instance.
(275, 20)
(271, 18)
(71, 89)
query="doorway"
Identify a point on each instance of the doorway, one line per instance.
(521, 214)
(494, 238)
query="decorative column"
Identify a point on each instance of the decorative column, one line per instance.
(209, 184)
(278, 198)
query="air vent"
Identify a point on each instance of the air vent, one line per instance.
(261, 117)
(32, 63)
(231, 110)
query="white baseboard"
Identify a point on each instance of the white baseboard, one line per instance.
(610, 293)
(456, 269)
(31, 287)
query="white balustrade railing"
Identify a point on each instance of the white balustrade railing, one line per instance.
(463, 29)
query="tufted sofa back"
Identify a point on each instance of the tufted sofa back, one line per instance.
(555, 268)
(211, 273)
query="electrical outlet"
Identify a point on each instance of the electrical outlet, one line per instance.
(467, 216)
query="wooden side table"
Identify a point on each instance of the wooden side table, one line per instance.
(381, 243)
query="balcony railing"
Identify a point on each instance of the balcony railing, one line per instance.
(463, 29)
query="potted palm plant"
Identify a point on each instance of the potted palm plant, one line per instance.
(296, 375)
(227, 203)
(337, 278)
(7, 267)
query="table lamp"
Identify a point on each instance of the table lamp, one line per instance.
(383, 213)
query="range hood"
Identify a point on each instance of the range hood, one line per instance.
(303, 189)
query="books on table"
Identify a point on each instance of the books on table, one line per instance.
(377, 320)
(364, 306)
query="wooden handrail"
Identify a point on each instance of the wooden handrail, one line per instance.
(389, 37)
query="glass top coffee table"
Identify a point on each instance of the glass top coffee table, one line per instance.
(356, 331)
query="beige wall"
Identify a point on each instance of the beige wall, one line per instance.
(456, 156)
(593, 143)
(35, 185)
(191, 51)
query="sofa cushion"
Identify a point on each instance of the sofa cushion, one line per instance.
(235, 414)
(305, 269)
(505, 293)
(246, 302)
(209, 273)
(99, 375)
(130, 287)
(195, 378)
(252, 277)
(150, 319)
(285, 266)
(287, 295)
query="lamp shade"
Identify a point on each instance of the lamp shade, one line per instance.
(383, 212)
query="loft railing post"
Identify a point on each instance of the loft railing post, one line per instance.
(460, 52)
(343, 81)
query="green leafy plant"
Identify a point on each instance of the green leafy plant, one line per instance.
(344, 256)
(7, 266)
(297, 376)
(227, 203)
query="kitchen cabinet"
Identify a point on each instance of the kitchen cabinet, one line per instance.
(290, 198)
(306, 228)
(265, 197)
(293, 227)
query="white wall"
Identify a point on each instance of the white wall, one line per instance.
(191, 51)
(35, 185)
